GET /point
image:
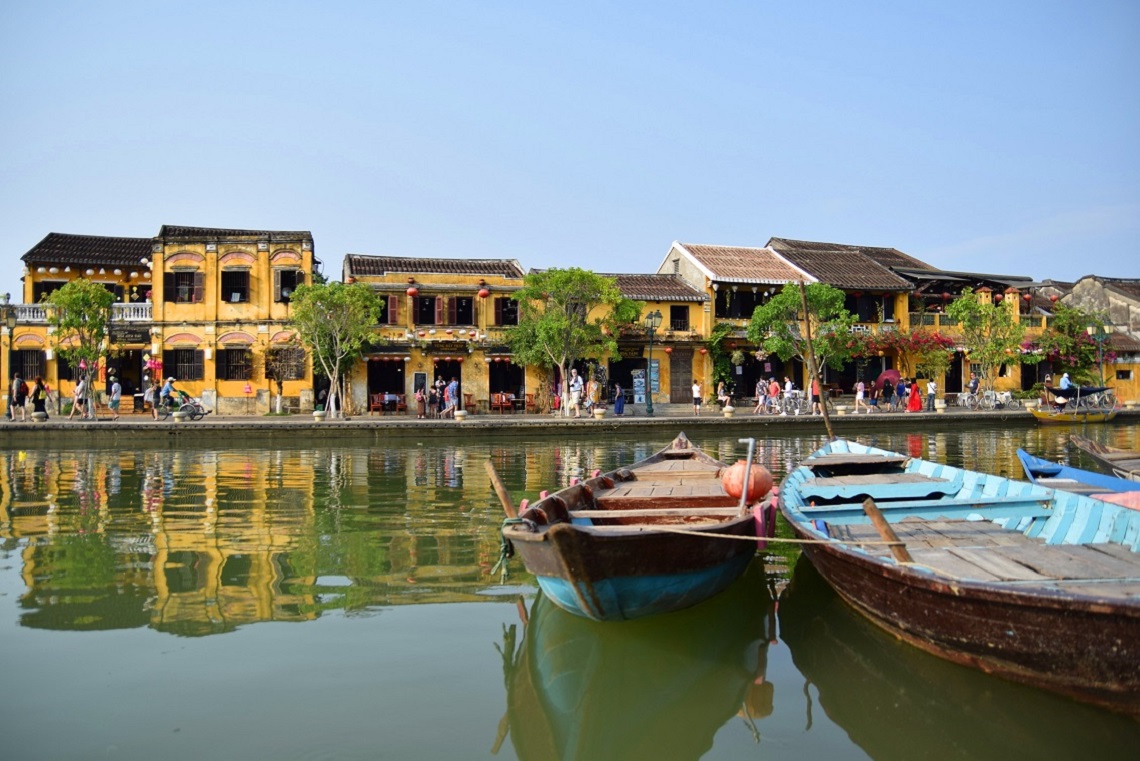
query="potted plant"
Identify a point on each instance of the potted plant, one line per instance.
(319, 413)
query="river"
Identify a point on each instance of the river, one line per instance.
(340, 602)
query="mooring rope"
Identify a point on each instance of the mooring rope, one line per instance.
(788, 540)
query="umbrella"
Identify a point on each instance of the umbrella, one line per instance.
(892, 375)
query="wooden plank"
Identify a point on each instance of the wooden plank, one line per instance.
(1113, 590)
(654, 512)
(853, 458)
(1072, 562)
(988, 560)
(1115, 550)
(951, 566)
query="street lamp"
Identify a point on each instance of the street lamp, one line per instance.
(652, 323)
(8, 313)
(1100, 335)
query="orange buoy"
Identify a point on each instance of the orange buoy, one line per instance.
(759, 481)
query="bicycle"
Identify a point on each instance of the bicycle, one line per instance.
(969, 400)
(992, 400)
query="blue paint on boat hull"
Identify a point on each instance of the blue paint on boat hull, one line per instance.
(623, 598)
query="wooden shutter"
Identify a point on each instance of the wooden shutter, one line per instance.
(453, 311)
(222, 364)
(169, 294)
(498, 310)
(199, 287)
(199, 365)
(276, 286)
(439, 301)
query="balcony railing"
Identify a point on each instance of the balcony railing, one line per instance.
(939, 320)
(36, 314)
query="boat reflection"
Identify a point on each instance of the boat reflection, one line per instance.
(650, 688)
(897, 702)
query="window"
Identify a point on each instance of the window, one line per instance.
(234, 364)
(184, 287)
(285, 363)
(183, 364)
(29, 363)
(45, 288)
(285, 282)
(390, 314)
(506, 311)
(461, 310)
(425, 310)
(1124, 375)
(235, 286)
(678, 317)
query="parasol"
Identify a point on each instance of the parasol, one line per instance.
(892, 375)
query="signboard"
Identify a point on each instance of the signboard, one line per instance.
(639, 387)
(447, 347)
(130, 334)
(631, 352)
(655, 376)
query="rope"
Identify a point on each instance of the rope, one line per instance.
(788, 540)
(506, 549)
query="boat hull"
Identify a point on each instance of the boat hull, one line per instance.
(1054, 476)
(1070, 418)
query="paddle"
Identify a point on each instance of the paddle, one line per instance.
(747, 473)
(898, 549)
(504, 495)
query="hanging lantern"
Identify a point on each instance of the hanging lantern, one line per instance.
(1053, 297)
(732, 344)
(1027, 297)
(484, 293)
(997, 298)
(450, 331)
(413, 291)
(704, 350)
(668, 349)
(421, 334)
(472, 333)
(945, 295)
(407, 359)
(459, 360)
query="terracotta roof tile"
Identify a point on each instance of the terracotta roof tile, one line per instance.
(1123, 343)
(1129, 287)
(218, 233)
(741, 264)
(88, 250)
(846, 266)
(362, 265)
(657, 288)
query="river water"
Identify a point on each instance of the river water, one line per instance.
(340, 602)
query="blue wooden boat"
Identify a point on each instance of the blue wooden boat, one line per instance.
(1058, 476)
(1033, 584)
(634, 542)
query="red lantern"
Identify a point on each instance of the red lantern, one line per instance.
(759, 480)
(413, 291)
(421, 334)
(945, 296)
(732, 344)
(1027, 296)
(450, 331)
(997, 298)
(484, 293)
(704, 351)
(668, 349)
(1053, 297)
(459, 360)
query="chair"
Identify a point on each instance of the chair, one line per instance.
(401, 403)
(469, 403)
(375, 402)
(499, 402)
(531, 405)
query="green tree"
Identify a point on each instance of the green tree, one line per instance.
(555, 325)
(778, 327)
(80, 313)
(334, 321)
(1067, 344)
(989, 333)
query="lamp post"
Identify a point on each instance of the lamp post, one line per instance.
(652, 323)
(8, 313)
(1100, 335)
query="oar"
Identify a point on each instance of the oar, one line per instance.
(747, 472)
(504, 495)
(898, 549)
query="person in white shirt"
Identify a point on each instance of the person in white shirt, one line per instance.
(696, 397)
(931, 392)
(576, 393)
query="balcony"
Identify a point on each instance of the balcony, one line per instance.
(36, 314)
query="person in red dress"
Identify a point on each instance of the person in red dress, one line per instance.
(914, 399)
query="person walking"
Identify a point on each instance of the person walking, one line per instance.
(860, 397)
(619, 399)
(18, 398)
(914, 397)
(575, 393)
(931, 393)
(78, 400)
(39, 398)
(761, 395)
(116, 398)
(816, 405)
(696, 397)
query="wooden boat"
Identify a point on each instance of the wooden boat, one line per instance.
(1076, 480)
(1033, 584)
(637, 541)
(896, 702)
(1125, 463)
(649, 689)
(1078, 416)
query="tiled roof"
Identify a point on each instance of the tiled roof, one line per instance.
(88, 250)
(360, 265)
(845, 266)
(657, 288)
(1123, 343)
(1129, 287)
(742, 265)
(216, 233)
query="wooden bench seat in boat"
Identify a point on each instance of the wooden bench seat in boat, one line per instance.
(990, 507)
(883, 486)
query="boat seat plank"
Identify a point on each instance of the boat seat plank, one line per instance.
(892, 486)
(1115, 550)
(650, 512)
(853, 458)
(951, 565)
(998, 507)
(1002, 567)
(1072, 562)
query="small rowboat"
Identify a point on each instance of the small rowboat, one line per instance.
(1078, 416)
(1123, 462)
(1036, 585)
(656, 537)
(1118, 491)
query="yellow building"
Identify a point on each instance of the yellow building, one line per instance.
(205, 306)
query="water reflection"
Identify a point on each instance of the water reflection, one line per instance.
(660, 688)
(897, 702)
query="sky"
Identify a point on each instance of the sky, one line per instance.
(1001, 138)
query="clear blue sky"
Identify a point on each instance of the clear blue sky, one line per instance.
(1000, 137)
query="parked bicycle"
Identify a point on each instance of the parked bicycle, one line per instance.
(185, 403)
(992, 400)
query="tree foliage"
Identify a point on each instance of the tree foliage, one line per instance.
(80, 313)
(1067, 345)
(926, 352)
(334, 321)
(566, 315)
(989, 334)
(777, 326)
